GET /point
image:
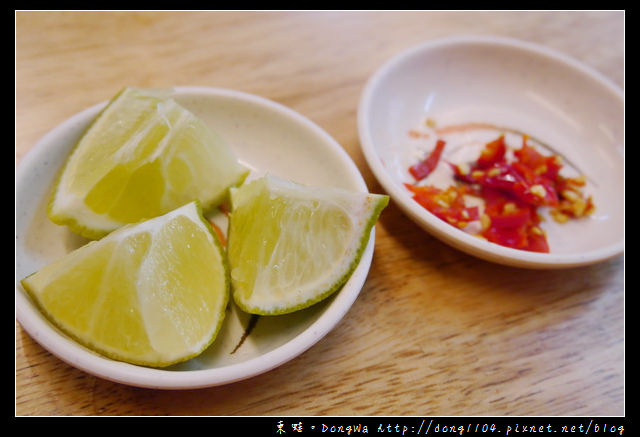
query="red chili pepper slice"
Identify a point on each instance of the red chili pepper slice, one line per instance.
(424, 168)
(537, 243)
(219, 232)
(493, 152)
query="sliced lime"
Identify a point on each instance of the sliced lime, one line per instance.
(290, 246)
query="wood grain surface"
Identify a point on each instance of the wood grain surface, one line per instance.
(434, 331)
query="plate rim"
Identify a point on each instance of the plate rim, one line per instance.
(436, 227)
(50, 338)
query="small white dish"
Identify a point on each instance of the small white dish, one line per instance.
(267, 137)
(503, 82)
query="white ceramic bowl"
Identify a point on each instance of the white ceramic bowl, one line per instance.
(266, 136)
(508, 83)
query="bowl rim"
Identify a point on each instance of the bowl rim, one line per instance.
(76, 355)
(429, 222)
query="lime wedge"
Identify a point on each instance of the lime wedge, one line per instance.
(152, 293)
(143, 156)
(290, 246)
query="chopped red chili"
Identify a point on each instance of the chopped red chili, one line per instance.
(493, 152)
(424, 168)
(512, 222)
(221, 236)
(512, 191)
(448, 205)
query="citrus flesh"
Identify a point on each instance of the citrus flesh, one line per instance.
(290, 246)
(143, 156)
(152, 293)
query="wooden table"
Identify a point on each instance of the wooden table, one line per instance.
(434, 331)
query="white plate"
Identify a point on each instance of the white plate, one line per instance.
(508, 83)
(266, 136)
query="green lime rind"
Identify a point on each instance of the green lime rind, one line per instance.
(227, 283)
